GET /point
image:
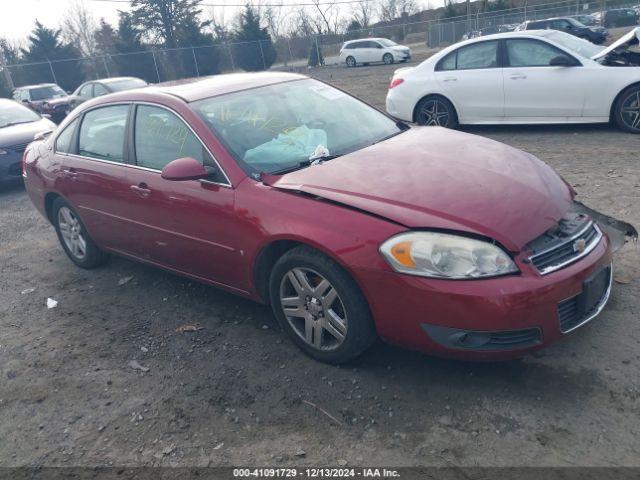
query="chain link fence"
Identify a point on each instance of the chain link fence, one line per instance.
(161, 65)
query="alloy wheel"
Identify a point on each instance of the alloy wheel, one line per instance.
(313, 308)
(351, 62)
(71, 231)
(434, 112)
(630, 111)
(387, 58)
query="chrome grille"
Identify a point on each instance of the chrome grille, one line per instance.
(568, 249)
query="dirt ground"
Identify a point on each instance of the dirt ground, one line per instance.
(237, 392)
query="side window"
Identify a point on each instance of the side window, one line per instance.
(99, 90)
(478, 55)
(531, 53)
(374, 45)
(350, 46)
(447, 63)
(85, 92)
(360, 45)
(63, 142)
(160, 137)
(102, 133)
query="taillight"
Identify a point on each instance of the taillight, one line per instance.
(395, 82)
(24, 164)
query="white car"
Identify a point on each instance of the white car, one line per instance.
(370, 50)
(528, 77)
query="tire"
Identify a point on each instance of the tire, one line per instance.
(387, 58)
(72, 234)
(327, 316)
(436, 111)
(351, 61)
(626, 111)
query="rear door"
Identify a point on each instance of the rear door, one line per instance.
(184, 225)
(92, 154)
(533, 88)
(471, 76)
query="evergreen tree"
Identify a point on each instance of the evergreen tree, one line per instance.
(45, 45)
(139, 61)
(164, 19)
(256, 50)
(207, 56)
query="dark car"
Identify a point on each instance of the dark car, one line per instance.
(97, 88)
(620, 17)
(351, 225)
(45, 98)
(18, 126)
(569, 25)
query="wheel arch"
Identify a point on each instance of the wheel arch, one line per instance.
(435, 94)
(49, 199)
(271, 252)
(615, 99)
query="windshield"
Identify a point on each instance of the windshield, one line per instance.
(387, 43)
(576, 23)
(12, 113)
(578, 45)
(128, 84)
(43, 93)
(277, 127)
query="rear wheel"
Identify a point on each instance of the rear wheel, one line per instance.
(74, 238)
(627, 110)
(320, 307)
(436, 111)
(351, 62)
(387, 58)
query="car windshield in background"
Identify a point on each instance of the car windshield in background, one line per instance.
(387, 43)
(278, 127)
(576, 23)
(127, 84)
(15, 113)
(43, 93)
(578, 45)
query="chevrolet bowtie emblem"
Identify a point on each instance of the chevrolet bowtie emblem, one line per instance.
(579, 245)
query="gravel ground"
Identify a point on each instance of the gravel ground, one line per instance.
(237, 392)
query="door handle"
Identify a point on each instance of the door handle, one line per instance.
(141, 190)
(451, 79)
(70, 173)
(518, 76)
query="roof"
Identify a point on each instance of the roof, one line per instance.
(111, 80)
(365, 39)
(37, 85)
(198, 89)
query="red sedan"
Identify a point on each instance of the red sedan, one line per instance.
(351, 225)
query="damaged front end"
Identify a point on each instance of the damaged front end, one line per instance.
(619, 232)
(625, 52)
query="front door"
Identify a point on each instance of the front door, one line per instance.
(535, 89)
(183, 225)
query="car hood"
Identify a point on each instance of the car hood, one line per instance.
(430, 177)
(626, 39)
(24, 132)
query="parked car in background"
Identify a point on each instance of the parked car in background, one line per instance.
(97, 88)
(537, 76)
(620, 17)
(45, 98)
(351, 225)
(18, 126)
(372, 50)
(588, 20)
(569, 25)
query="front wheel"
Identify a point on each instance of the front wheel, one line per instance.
(627, 110)
(351, 62)
(436, 112)
(320, 307)
(74, 238)
(387, 58)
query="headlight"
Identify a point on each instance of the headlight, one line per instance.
(441, 255)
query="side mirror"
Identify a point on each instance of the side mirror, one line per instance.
(186, 168)
(561, 61)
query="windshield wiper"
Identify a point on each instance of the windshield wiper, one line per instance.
(388, 137)
(304, 164)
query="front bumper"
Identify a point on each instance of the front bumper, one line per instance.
(402, 56)
(11, 165)
(418, 313)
